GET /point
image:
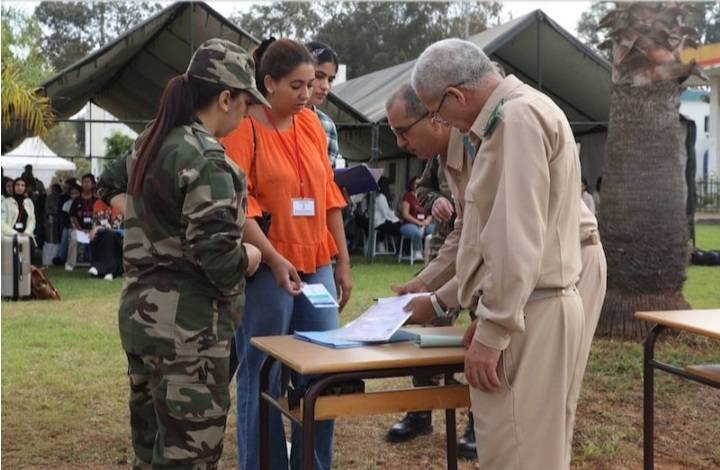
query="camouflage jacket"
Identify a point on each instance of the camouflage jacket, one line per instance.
(183, 254)
(433, 184)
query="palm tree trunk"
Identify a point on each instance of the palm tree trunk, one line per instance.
(642, 212)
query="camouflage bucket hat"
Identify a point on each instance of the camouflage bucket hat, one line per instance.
(225, 63)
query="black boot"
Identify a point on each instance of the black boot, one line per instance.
(413, 424)
(466, 444)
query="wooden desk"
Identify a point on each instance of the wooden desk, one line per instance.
(701, 322)
(333, 366)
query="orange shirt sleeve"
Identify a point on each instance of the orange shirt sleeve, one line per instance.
(240, 147)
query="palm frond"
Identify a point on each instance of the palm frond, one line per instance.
(22, 106)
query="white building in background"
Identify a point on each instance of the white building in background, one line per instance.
(97, 132)
(695, 105)
(707, 57)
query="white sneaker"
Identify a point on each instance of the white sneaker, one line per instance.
(108, 277)
(68, 267)
(418, 255)
(93, 271)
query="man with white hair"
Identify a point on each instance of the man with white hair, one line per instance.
(519, 256)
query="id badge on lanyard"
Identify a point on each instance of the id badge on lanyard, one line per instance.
(303, 207)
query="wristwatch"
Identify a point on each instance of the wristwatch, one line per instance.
(440, 310)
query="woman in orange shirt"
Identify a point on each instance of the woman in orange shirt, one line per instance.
(283, 152)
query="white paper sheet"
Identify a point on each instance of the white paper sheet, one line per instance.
(319, 296)
(379, 322)
(82, 237)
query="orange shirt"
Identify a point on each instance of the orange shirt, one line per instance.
(103, 211)
(273, 183)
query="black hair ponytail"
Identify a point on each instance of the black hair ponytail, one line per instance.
(182, 97)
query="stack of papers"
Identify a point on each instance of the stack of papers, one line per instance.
(378, 324)
(328, 339)
(433, 341)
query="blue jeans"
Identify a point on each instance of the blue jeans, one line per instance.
(415, 233)
(64, 240)
(269, 310)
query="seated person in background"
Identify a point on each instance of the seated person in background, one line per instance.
(386, 221)
(7, 187)
(65, 204)
(106, 242)
(52, 214)
(18, 212)
(81, 218)
(416, 222)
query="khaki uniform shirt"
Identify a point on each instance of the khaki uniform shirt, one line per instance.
(439, 275)
(521, 214)
(588, 222)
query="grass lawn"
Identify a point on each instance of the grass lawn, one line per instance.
(64, 388)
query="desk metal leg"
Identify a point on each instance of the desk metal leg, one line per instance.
(313, 392)
(450, 432)
(451, 437)
(265, 413)
(649, 397)
(308, 421)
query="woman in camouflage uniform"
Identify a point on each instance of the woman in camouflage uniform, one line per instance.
(184, 260)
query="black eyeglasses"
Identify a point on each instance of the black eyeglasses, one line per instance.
(401, 131)
(436, 118)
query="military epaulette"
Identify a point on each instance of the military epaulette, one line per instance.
(493, 120)
(207, 142)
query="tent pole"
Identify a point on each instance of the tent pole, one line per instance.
(90, 152)
(374, 157)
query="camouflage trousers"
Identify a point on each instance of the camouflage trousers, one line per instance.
(442, 230)
(178, 409)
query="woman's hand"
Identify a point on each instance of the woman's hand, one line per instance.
(254, 256)
(343, 282)
(285, 275)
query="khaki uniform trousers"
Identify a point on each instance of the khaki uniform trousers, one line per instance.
(524, 425)
(591, 286)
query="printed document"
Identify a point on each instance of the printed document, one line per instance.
(379, 322)
(319, 296)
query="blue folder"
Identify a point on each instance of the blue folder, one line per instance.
(327, 339)
(358, 179)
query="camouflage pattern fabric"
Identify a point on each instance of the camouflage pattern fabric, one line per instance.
(225, 63)
(178, 409)
(441, 231)
(183, 295)
(432, 186)
(183, 255)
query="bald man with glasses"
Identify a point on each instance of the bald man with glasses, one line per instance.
(426, 138)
